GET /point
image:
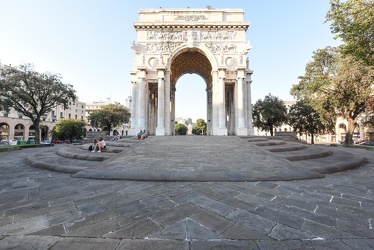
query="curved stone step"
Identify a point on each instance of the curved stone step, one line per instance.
(109, 149)
(301, 152)
(336, 162)
(50, 160)
(78, 153)
(286, 147)
(256, 139)
(270, 143)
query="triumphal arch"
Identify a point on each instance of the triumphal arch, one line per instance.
(208, 42)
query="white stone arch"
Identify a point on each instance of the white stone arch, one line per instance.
(205, 74)
(166, 37)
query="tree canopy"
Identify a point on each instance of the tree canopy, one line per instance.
(336, 85)
(180, 129)
(33, 94)
(269, 113)
(305, 120)
(353, 22)
(68, 129)
(109, 116)
(200, 127)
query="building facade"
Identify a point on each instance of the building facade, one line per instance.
(14, 125)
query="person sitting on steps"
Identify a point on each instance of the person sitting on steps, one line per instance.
(101, 145)
(95, 141)
(140, 134)
(144, 135)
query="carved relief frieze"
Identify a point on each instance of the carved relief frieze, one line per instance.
(224, 35)
(161, 47)
(221, 47)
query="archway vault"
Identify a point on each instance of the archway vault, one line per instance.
(191, 61)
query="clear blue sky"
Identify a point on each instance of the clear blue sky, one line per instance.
(88, 42)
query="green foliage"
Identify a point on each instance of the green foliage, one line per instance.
(336, 85)
(269, 113)
(110, 116)
(305, 120)
(68, 129)
(180, 129)
(200, 127)
(353, 22)
(33, 94)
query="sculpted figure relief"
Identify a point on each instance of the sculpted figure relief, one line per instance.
(161, 47)
(197, 35)
(221, 47)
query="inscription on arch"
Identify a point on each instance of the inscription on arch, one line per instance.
(191, 18)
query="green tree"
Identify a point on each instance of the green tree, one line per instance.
(336, 85)
(200, 127)
(180, 129)
(353, 22)
(269, 113)
(109, 116)
(33, 94)
(305, 120)
(68, 129)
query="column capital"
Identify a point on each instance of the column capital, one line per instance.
(141, 73)
(222, 73)
(240, 73)
(161, 73)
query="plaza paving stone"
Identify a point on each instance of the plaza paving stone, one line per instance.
(42, 209)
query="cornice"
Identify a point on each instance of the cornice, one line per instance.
(139, 26)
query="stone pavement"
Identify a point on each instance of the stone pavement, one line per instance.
(41, 209)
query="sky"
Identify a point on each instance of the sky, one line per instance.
(88, 42)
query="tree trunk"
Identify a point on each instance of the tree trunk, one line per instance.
(312, 138)
(271, 131)
(37, 132)
(349, 132)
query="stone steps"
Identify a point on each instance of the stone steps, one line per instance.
(313, 157)
(197, 159)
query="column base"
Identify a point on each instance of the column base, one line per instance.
(133, 132)
(160, 131)
(251, 131)
(220, 131)
(242, 131)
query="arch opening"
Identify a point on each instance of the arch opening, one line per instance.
(191, 83)
(191, 98)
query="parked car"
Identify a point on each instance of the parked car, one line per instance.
(46, 142)
(4, 143)
(360, 141)
(367, 143)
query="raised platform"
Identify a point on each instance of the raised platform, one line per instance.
(198, 158)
